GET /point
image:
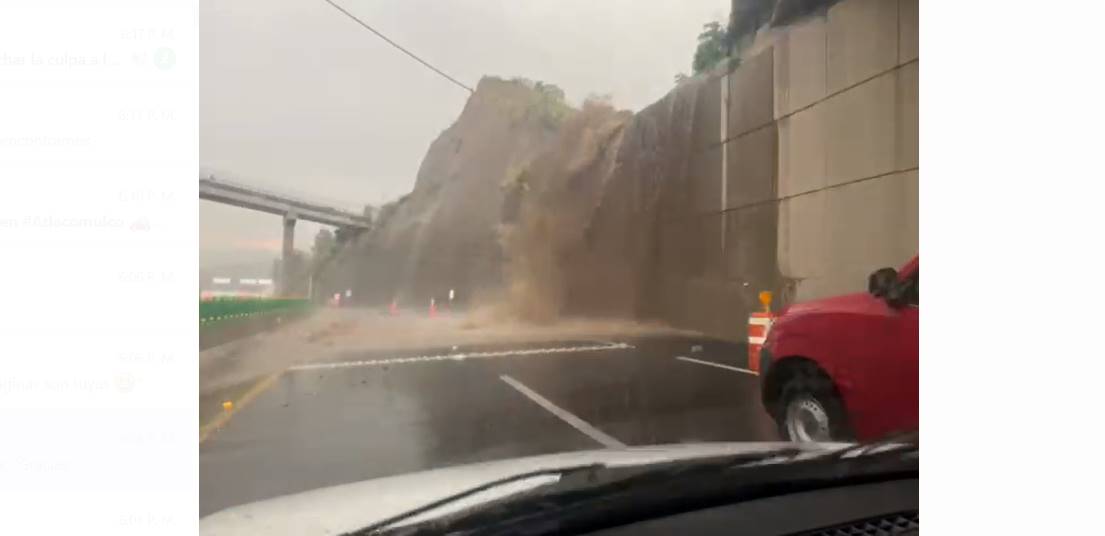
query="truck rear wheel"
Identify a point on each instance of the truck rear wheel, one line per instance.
(809, 407)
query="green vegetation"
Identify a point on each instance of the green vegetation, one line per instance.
(550, 106)
(717, 42)
(713, 46)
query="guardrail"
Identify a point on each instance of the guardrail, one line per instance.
(218, 309)
(299, 196)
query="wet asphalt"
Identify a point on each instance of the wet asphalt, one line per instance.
(394, 413)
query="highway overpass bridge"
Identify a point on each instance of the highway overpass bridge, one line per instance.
(291, 209)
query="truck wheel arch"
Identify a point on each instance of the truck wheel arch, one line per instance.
(779, 371)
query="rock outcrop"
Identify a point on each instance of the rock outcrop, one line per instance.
(792, 168)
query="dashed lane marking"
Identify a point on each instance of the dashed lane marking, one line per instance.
(224, 417)
(718, 365)
(564, 415)
(461, 356)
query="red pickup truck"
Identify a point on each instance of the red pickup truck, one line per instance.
(845, 368)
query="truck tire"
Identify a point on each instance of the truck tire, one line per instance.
(809, 407)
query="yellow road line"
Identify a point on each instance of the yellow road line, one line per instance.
(224, 417)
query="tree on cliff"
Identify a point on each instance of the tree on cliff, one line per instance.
(716, 42)
(713, 46)
(551, 106)
(549, 91)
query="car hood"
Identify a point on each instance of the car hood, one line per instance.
(338, 509)
(860, 302)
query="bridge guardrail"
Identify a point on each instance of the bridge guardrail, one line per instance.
(334, 206)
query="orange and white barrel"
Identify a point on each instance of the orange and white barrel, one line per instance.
(758, 325)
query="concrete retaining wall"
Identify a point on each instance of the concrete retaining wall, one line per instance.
(846, 109)
(799, 174)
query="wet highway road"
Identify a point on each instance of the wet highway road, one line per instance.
(371, 416)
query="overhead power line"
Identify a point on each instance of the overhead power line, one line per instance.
(396, 45)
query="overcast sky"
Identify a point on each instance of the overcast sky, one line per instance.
(296, 97)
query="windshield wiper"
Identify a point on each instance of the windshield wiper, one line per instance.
(375, 528)
(610, 496)
(581, 478)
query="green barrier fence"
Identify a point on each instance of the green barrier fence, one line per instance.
(226, 308)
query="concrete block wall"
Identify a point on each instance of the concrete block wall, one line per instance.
(846, 107)
(794, 171)
(714, 256)
(748, 210)
(802, 169)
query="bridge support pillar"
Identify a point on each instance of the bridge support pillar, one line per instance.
(287, 254)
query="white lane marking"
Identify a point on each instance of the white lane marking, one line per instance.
(460, 356)
(756, 340)
(759, 321)
(564, 415)
(718, 365)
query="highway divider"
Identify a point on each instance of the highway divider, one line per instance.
(220, 309)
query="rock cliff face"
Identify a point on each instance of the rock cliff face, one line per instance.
(607, 205)
(444, 234)
(550, 207)
(543, 212)
(792, 169)
(627, 221)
